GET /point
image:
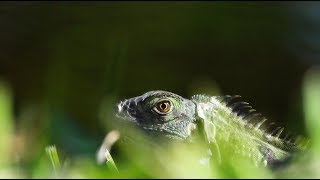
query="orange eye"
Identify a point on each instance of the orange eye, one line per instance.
(163, 107)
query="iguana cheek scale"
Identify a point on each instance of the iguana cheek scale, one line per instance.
(231, 128)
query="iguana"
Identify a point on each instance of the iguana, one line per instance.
(225, 122)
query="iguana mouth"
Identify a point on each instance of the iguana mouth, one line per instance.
(168, 134)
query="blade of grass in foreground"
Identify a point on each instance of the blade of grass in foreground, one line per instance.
(103, 154)
(54, 158)
(6, 128)
(312, 104)
(110, 163)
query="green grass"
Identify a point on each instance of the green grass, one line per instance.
(54, 158)
(110, 163)
(139, 159)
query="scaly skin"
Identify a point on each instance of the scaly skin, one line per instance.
(231, 128)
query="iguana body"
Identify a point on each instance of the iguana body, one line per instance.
(231, 128)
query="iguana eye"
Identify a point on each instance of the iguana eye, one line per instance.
(163, 107)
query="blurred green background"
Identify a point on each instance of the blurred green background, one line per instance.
(68, 63)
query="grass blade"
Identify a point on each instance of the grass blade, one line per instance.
(54, 158)
(110, 163)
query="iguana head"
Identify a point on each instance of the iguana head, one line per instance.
(160, 112)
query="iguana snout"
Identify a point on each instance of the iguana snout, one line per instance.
(126, 110)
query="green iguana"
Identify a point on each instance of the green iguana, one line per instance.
(226, 123)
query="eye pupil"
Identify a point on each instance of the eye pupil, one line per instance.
(163, 106)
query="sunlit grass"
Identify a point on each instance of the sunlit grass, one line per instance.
(54, 158)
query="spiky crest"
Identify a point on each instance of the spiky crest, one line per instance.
(271, 132)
